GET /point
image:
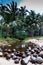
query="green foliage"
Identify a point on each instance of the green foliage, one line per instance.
(15, 22)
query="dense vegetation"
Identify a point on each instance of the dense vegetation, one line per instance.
(19, 22)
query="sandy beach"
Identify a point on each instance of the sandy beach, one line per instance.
(3, 61)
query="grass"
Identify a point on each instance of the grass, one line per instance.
(13, 40)
(2, 39)
(9, 40)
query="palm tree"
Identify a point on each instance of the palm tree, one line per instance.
(1, 26)
(32, 21)
(9, 12)
(13, 10)
(23, 12)
(41, 24)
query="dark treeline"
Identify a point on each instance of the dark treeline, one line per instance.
(19, 22)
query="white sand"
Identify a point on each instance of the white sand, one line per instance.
(3, 61)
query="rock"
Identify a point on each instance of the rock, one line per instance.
(14, 50)
(16, 61)
(1, 54)
(36, 50)
(18, 53)
(24, 61)
(41, 54)
(28, 53)
(32, 51)
(8, 57)
(14, 57)
(29, 48)
(23, 45)
(24, 55)
(30, 44)
(39, 60)
(5, 54)
(42, 48)
(35, 55)
(6, 50)
(9, 51)
(1, 50)
(33, 60)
